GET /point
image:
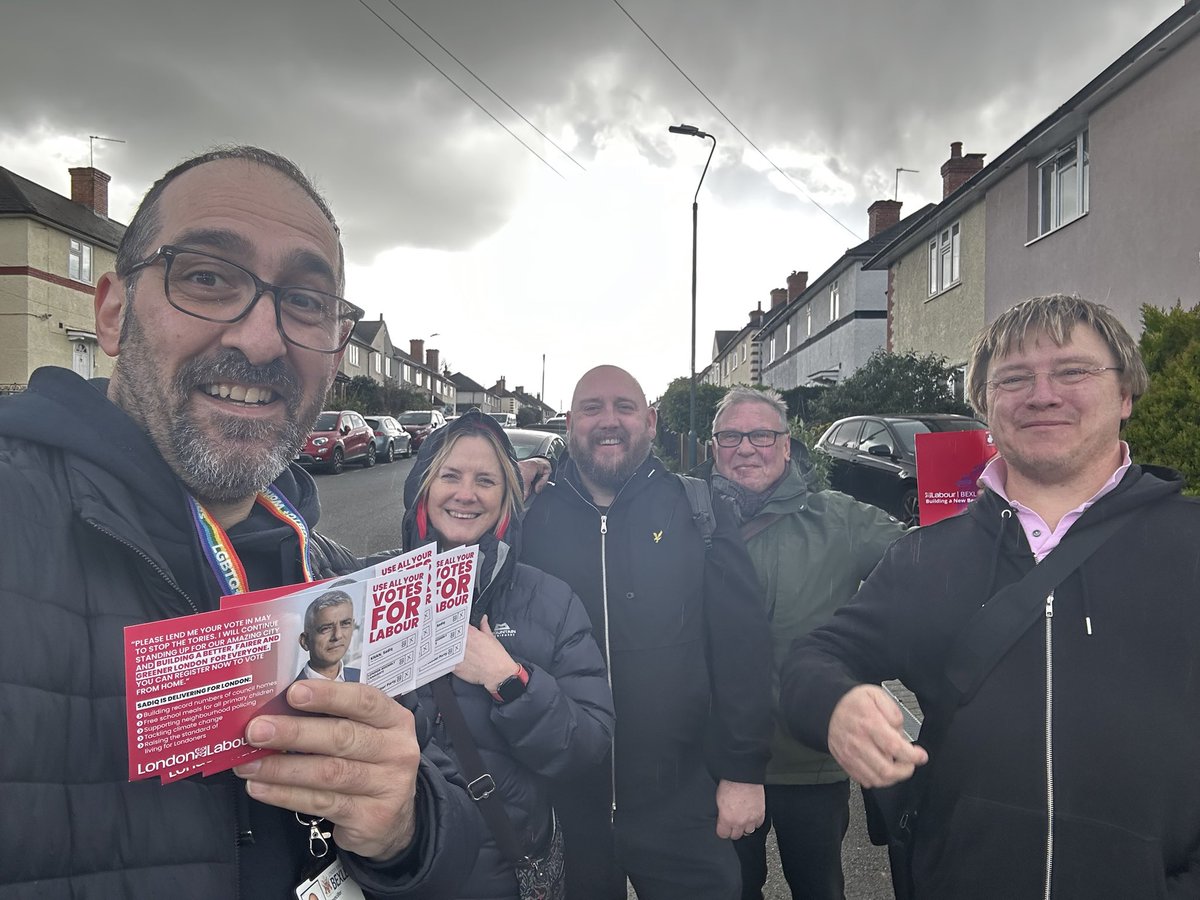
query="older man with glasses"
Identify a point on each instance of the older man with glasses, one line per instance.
(174, 467)
(811, 548)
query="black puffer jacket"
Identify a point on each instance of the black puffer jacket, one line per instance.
(1114, 671)
(95, 535)
(562, 724)
(687, 632)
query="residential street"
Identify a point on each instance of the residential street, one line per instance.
(362, 509)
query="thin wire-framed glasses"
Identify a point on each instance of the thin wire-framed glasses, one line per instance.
(1068, 376)
(217, 290)
(761, 437)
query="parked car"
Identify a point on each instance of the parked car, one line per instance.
(506, 420)
(336, 439)
(557, 424)
(420, 423)
(390, 439)
(874, 457)
(529, 442)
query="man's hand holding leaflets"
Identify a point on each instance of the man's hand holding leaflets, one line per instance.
(194, 684)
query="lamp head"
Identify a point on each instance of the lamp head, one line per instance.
(691, 130)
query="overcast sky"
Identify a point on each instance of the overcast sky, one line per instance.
(453, 228)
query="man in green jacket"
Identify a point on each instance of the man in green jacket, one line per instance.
(811, 549)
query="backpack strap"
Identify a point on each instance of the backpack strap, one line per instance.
(699, 496)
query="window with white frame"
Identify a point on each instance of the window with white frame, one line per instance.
(79, 261)
(944, 252)
(352, 355)
(745, 350)
(788, 342)
(808, 321)
(378, 363)
(1063, 184)
(387, 365)
(774, 341)
(835, 302)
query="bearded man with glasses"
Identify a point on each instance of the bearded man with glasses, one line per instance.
(110, 523)
(811, 548)
(1051, 634)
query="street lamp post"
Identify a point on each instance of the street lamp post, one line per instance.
(693, 131)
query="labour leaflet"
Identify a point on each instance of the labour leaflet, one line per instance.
(194, 683)
(949, 464)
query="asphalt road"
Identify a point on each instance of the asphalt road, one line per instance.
(362, 510)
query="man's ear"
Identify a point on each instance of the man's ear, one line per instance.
(304, 641)
(652, 418)
(110, 312)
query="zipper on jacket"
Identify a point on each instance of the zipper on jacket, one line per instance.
(1049, 743)
(612, 756)
(145, 557)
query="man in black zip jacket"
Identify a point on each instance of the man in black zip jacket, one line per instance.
(220, 375)
(686, 639)
(1071, 771)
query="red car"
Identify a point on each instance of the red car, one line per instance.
(421, 423)
(336, 439)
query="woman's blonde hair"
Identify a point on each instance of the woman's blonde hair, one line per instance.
(513, 501)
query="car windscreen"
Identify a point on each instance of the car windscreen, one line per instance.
(326, 422)
(415, 418)
(373, 424)
(526, 445)
(908, 429)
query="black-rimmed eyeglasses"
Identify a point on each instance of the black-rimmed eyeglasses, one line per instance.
(762, 437)
(217, 290)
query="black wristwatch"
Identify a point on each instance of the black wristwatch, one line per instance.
(511, 687)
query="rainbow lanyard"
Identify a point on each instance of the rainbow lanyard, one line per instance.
(218, 549)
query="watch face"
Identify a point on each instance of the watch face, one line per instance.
(511, 688)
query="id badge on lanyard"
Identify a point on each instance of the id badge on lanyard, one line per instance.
(332, 883)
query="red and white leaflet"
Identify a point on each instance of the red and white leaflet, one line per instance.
(192, 684)
(399, 621)
(454, 589)
(949, 464)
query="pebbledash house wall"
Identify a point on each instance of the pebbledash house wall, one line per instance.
(946, 323)
(839, 346)
(1138, 243)
(40, 303)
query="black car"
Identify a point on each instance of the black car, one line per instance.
(874, 457)
(390, 439)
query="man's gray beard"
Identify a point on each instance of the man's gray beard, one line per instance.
(225, 473)
(211, 469)
(613, 478)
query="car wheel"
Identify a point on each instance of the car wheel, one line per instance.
(369, 459)
(390, 456)
(336, 461)
(408, 450)
(910, 508)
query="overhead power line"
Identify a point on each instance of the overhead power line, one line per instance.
(461, 89)
(470, 72)
(732, 124)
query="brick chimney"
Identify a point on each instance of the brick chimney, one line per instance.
(431, 359)
(779, 296)
(882, 215)
(756, 316)
(500, 384)
(796, 283)
(958, 168)
(89, 187)
(416, 349)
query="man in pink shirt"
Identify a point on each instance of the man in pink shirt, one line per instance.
(1072, 770)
